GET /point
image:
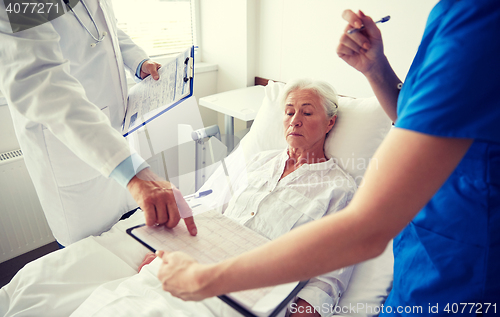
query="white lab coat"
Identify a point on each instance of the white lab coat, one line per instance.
(68, 102)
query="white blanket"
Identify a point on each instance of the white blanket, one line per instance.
(142, 295)
(97, 276)
(56, 284)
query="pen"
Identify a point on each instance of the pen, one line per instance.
(384, 19)
(198, 195)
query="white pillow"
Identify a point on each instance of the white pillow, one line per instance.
(360, 128)
(267, 131)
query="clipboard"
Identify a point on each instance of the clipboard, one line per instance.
(150, 99)
(273, 299)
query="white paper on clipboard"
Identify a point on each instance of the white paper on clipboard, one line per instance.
(219, 238)
(151, 98)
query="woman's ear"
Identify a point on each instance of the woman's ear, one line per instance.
(331, 123)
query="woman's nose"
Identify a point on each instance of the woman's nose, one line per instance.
(296, 121)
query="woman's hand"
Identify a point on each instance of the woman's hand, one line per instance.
(304, 309)
(147, 260)
(183, 277)
(362, 49)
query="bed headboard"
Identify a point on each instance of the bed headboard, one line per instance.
(260, 81)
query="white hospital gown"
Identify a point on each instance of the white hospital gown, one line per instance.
(273, 207)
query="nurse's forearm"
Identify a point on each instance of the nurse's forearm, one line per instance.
(296, 256)
(384, 83)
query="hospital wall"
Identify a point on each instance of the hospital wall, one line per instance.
(284, 39)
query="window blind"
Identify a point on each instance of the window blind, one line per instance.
(160, 27)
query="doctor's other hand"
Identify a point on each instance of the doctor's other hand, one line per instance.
(183, 277)
(150, 68)
(363, 49)
(161, 201)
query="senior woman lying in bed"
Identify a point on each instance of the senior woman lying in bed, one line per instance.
(293, 186)
(283, 190)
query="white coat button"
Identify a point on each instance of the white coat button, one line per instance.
(253, 213)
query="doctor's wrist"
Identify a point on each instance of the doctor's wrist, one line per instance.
(128, 168)
(138, 69)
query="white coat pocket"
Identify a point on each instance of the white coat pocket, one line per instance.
(67, 167)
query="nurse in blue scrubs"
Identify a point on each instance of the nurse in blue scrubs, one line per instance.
(436, 189)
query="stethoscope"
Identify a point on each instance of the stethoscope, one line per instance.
(97, 39)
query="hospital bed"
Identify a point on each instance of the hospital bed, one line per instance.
(58, 283)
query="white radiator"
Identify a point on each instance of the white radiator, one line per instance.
(23, 226)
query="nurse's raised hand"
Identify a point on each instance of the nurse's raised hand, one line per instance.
(161, 201)
(150, 68)
(363, 49)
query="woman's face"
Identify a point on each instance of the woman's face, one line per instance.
(305, 121)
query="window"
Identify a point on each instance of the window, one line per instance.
(160, 27)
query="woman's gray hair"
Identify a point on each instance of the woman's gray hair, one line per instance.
(322, 89)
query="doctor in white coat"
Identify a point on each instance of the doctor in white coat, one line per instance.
(67, 94)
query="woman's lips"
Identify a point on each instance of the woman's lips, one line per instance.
(295, 134)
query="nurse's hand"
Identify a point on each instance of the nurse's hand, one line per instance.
(150, 68)
(183, 277)
(363, 49)
(161, 202)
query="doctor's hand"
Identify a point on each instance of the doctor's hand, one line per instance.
(363, 49)
(161, 202)
(183, 277)
(150, 68)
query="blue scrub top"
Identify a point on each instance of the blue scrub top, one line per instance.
(450, 252)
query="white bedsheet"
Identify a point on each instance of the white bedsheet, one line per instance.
(97, 276)
(56, 284)
(142, 295)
